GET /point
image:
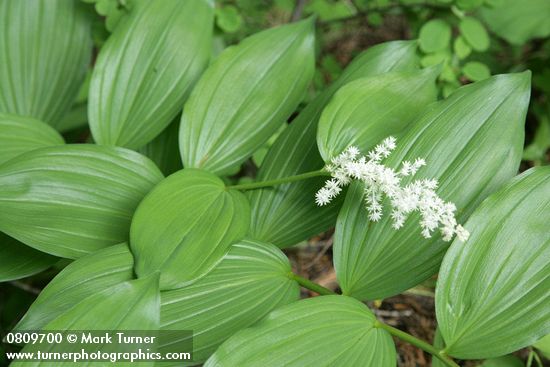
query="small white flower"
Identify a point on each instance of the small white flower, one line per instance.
(383, 182)
(322, 197)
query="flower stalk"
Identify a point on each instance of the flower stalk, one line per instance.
(278, 181)
(425, 346)
(312, 286)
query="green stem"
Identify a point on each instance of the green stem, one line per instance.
(279, 181)
(308, 284)
(439, 354)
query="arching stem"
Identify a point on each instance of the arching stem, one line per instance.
(279, 181)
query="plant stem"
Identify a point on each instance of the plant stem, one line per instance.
(308, 284)
(417, 342)
(279, 181)
(437, 353)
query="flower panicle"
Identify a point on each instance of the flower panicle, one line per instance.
(382, 182)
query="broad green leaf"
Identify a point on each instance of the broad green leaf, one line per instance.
(334, 330)
(287, 214)
(250, 281)
(45, 49)
(434, 36)
(476, 71)
(164, 151)
(472, 143)
(365, 111)
(496, 285)
(18, 260)
(506, 361)
(474, 33)
(147, 68)
(84, 277)
(130, 305)
(21, 134)
(544, 346)
(518, 21)
(186, 225)
(70, 200)
(245, 96)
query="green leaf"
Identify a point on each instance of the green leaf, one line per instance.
(228, 18)
(472, 143)
(46, 48)
(280, 339)
(22, 134)
(474, 33)
(250, 281)
(506, 361)
(19, 261)
(112, 10)
(461, 48)
(518, 21)
(131, 305)
(434, 36)
(469, 4)
(448, 74)
(287, 214)
(164, 150)
(329, 10)
(70, 200)
(77, 117)
(195, 218)
(232, 113)
(544, 346)
(147, 68)
(495, 286)
(436, 58)
(86, 276)
(476, 71)
(367, 110)
(541, 141)
(375, 19)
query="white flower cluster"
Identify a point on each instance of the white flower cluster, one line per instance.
(380, 181)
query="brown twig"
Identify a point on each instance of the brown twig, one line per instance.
(298, 10)
(25, 287)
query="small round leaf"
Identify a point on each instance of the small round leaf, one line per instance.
(461, 47)
(434, 36)
(474, 33)
(228, 19)
(476, 71)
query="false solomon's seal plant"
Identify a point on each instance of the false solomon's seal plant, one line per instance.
(161, 247)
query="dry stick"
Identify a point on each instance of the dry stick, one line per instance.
(297, 13)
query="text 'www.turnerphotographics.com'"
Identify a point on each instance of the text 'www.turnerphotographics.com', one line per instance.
(100, 345)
